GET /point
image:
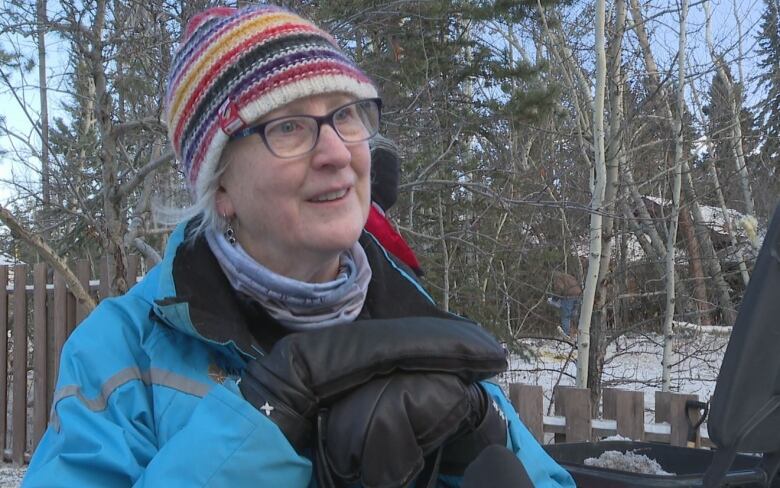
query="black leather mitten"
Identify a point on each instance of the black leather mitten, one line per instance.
(486, 427)
(285, 398)
(496, 467)
(309, 370)
(380, 433)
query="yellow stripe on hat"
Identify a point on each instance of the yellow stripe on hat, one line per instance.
(218, 47)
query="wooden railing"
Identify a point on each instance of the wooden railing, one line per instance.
(623, 413)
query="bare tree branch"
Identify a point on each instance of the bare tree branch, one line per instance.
(48, 254)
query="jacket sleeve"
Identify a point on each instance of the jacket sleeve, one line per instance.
(543, 471)
(102, 431)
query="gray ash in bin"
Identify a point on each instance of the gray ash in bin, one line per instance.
(627, 461)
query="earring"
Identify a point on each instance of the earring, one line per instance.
(230, 234)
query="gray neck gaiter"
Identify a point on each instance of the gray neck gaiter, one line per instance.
(297, 305)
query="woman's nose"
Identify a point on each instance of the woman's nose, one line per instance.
(330, 149)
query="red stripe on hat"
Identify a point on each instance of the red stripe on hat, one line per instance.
(300, 72)
(203, 44)
(227, 59)
(200, 154)
(201, 18)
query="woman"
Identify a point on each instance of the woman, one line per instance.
(276, 344)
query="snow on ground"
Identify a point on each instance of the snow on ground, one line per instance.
(632, 362)
(11, 476)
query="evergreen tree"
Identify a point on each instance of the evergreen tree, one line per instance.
(769, 80)
(769, 115)
(458, 97)
(721, 133)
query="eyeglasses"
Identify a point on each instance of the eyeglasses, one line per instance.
(290, 137)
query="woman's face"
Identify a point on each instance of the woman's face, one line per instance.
(295, 216)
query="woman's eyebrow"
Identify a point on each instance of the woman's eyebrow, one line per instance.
(295, 109)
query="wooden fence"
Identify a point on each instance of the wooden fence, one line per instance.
(49, 314)
(623, 413)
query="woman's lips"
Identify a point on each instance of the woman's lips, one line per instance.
(330, 196)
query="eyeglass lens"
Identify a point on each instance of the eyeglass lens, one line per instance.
(294, 136)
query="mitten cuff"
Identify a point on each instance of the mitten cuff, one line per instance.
(297, 429)
(490, 429)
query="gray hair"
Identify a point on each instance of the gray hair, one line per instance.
(204, 207)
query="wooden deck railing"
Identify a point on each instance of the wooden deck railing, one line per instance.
(623, 413)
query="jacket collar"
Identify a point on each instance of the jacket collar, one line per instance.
(194, 296)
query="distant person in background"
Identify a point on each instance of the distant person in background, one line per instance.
(566, 295)
(385, 175)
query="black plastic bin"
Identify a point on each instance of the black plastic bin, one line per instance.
(687, 464)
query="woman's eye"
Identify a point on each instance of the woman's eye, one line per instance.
(345, 114)
(284, 128)
(287, 127)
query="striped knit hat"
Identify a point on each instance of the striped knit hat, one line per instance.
(236, 65)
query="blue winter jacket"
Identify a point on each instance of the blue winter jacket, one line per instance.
(147, 396)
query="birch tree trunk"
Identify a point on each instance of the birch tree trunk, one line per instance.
(599, 185)
(708, 251)
(676, 186)
(736, 145)
(614, 154)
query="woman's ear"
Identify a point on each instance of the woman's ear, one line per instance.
(224, 204)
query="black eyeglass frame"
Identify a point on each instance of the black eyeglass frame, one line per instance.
(327, 119)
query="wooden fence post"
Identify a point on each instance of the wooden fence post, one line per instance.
(133, 267)
(528, 401)
(627, 408)
(680, 423)
(670, 407)
(82, 272)
(19, 362)
(50, 378)
(630, 408)
(574, 404)
(60, 323)
(105, 287)
(70, 311)
(662, 403)
(40, 341)
(3, 357)
(609, 403)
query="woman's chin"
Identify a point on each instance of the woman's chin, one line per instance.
(336, 242)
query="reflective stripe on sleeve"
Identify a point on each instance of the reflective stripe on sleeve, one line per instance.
(153, 376)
